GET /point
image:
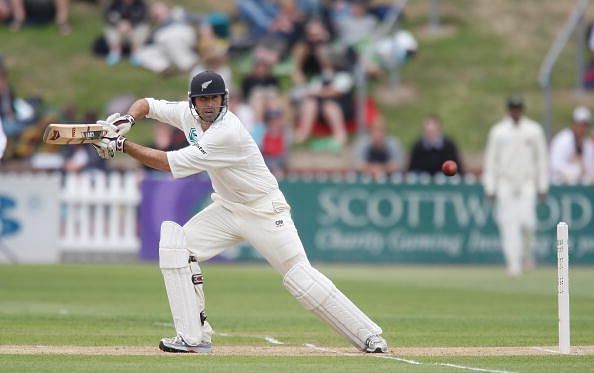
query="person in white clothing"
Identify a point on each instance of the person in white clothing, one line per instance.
(247, 205)
(2, 140)
(569, 148)
(515, 175)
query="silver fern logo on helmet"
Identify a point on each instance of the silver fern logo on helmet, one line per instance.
(206, 84)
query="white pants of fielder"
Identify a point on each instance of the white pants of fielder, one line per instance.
(516, 219)
(268, 226)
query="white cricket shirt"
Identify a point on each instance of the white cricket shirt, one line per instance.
(566, 165)
(516, 158)
(225, 150)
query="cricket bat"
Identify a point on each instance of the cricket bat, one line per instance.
(60, 133)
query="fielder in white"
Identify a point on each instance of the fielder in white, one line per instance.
(515, 176)
(247, 205)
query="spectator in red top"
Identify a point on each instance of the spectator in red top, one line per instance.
(274, 144)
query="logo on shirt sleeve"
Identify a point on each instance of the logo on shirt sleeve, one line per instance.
(202, 150)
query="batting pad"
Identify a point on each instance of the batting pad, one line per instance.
(198, 282)
(174, 264)
(318, 294)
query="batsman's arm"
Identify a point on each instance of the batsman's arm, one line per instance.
(150, 157)
(139, 109)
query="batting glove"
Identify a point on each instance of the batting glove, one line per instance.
(108, 146)
(121, 124)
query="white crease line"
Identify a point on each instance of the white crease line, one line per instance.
(312, 346)
(274, 341)
(574, 352)
(545, 350)
(471, 368)
(166, 324)
(268, 339)
(412, 362)
(222, 334)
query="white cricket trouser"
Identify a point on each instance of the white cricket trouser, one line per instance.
(516, 219)
(265, 223)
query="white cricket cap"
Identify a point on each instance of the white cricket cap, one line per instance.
(582, 114)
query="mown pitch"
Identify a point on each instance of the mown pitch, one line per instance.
(111, 317)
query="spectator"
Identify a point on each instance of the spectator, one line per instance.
(330, 99)
(311, 53)
(173, 44)
(212, 51)
(432, 149)
(43, 10)
(355, 26)
(5, 11)
(260, 87)
(589, 158)
(38, 154)
(15, 113)
(246, 114)
(274, 143)
(2, 140)
(378, 154)
(515, 174)
(567, 149)
(282, 18)
(126, 22)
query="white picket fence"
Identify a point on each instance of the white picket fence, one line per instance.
(99, 213)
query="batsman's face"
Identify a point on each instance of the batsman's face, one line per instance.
(208, 106)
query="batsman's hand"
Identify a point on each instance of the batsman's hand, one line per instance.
(108, 146)
(121, 124)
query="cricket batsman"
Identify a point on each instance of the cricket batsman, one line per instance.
(247, 205)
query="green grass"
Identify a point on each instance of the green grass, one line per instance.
(493, 48)
(101, 305)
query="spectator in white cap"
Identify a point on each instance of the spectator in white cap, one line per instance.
(568, 148)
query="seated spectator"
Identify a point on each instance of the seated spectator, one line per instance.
(356, 26)
(246, 114)
(126, 23)
(30, 140)
(329, 99)
(567, 163)
(173, 44)
(432, 149)
(39, 11)
(15, 113)
(260, 87)
(282, 18)
(5, 11)
(274, 142)
(378, 154)
(38, 154)
(212, 54)
(310, 53)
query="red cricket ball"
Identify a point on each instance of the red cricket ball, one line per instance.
(449, 168)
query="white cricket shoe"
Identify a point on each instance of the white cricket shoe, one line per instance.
(376, 344)
(177, 344)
